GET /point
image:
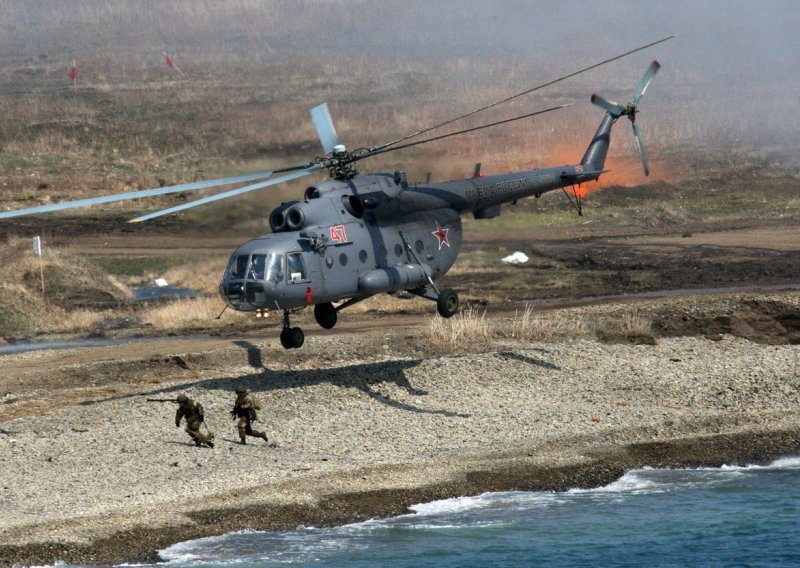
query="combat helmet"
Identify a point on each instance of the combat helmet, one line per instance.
(182, 398)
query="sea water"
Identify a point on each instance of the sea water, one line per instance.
(729, 516)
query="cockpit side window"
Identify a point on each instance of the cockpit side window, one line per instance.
(257, 266)
(237, 268)
(295, 267)
(274, 267)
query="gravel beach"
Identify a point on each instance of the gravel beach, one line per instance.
(111, 478)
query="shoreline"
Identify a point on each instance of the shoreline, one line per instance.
(94, 474)
(601, 465)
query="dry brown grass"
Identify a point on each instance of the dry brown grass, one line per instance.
(203, 276)
(70, 282)
(193, 313)
(544, 326)
(627, 328)
(467, 330)
(472, 331)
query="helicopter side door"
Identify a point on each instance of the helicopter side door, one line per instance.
(304, 282)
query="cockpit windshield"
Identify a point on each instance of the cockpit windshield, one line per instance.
(256, 267)
(237, 267)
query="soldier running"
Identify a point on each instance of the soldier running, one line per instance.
(245, 410)
(193, 412)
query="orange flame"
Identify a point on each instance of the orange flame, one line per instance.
(626, 171)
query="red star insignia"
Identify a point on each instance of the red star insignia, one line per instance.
(441, 235)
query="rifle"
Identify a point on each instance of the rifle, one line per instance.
(162, 400)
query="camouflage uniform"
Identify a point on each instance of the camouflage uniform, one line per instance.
(193, 412)
(245, 410)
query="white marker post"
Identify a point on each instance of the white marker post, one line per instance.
(37, 250)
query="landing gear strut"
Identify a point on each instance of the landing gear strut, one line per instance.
(447, 299)
(291, 337)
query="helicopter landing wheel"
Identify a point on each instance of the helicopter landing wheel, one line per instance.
(447, 303)
(292, 338)
(325, 314)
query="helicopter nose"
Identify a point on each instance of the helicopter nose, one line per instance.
(245, 295)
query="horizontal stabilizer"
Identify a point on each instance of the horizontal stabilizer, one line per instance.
(584, 174)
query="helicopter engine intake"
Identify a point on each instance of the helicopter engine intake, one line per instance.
(296, 215)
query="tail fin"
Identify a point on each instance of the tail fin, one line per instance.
(595, 156)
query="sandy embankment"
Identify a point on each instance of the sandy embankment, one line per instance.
(115, 479)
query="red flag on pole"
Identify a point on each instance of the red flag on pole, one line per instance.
(73, 73)
(170, 63)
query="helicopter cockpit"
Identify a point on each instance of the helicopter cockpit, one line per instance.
(256, 281)
(259, 267)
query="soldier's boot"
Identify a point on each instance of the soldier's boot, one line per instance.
(243, 440)
(210, 444)
(262, 435)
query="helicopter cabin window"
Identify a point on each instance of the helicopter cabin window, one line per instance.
(237, 268)
(329, 261)
(420, 246)
(295, 267)
(398, 249)
(343, 259)
(362, 256)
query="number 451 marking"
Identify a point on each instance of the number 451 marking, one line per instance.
(338, 234)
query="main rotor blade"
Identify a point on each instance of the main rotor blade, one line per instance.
(135, 194)
(512, 97)
(324, 125)
(638, 136)
(646, 80)
(463, 131)
(614, 109)
(227, 194)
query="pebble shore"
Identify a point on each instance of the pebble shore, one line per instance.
(115, 480)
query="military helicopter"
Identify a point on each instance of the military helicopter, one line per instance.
(357, 235)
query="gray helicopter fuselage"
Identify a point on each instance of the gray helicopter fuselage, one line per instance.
(371, 234)
(333, 248)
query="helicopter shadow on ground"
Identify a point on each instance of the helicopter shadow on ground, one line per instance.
(526, 359)
(254, 358)
(364, 377)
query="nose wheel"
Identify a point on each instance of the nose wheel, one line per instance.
(291, 337)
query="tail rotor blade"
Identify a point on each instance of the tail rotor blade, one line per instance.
(645, 82)
(324, 125)
(613, 108)
(642, 155)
